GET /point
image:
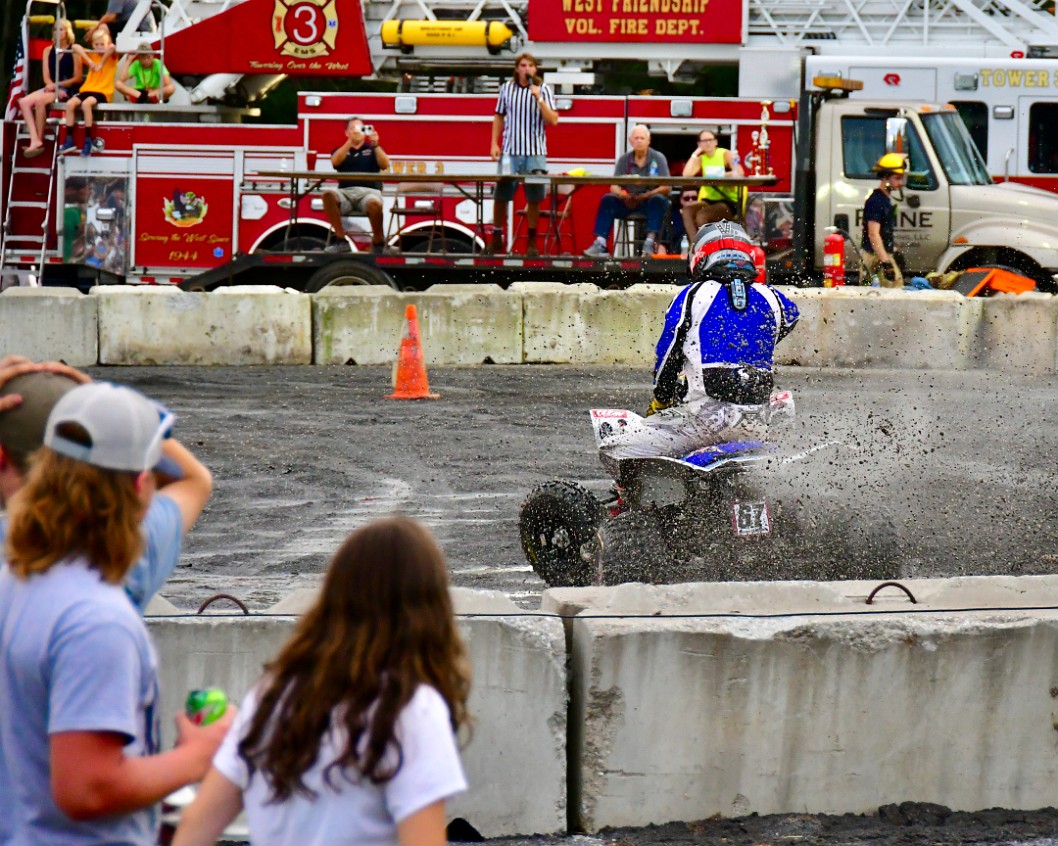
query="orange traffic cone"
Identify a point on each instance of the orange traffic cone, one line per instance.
(409, 373)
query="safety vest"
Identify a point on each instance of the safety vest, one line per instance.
(710, 193)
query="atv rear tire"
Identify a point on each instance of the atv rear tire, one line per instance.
(559, 526)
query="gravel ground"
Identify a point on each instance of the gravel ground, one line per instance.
(910, 824)
(945, 466)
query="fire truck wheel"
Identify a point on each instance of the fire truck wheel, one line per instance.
(347, 272)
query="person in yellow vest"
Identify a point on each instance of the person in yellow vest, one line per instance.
(714, 202)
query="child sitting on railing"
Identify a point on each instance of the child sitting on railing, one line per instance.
(62, 79)
(98, 87)
(145, 79)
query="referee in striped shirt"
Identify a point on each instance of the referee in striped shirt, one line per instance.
(525, 106)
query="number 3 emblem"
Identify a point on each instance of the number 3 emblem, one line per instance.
(305, 28)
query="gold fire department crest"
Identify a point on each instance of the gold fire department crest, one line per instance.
(306, 29)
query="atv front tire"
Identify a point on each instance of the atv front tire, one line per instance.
(559, 526)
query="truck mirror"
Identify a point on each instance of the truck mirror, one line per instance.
(896, 135)
(918, 181)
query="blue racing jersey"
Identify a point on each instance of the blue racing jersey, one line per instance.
(716, 334)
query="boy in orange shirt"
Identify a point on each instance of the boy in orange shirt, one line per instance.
(98, 87)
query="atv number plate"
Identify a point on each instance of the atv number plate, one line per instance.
(750, 519)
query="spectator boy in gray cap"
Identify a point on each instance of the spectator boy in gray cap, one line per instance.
(28, 392)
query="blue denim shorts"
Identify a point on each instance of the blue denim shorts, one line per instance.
(522, 164)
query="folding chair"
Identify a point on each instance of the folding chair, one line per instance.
(556, 219)
(420, 200)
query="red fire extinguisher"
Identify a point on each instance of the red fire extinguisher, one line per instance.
(759, 263)
(833, 260)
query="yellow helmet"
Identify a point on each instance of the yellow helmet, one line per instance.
(891, 163)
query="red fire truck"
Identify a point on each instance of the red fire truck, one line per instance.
(184, 193)
(172, 191)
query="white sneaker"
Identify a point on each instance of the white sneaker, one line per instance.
(597, 250)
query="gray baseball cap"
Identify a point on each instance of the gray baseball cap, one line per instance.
(125, 429)
(22, 428)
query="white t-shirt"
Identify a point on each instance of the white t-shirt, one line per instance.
(354, 811)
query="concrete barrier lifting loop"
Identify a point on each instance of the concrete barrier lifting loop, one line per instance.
(911, 596)
(238, 602)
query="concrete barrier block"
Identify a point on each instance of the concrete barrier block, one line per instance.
(518, 698)
(228, 652)
(701, 598)
(516, 762)
(237, 325)
(459, 324)
(821, 712)
(49, 324)
(1019, 333)
(877, 327)
(579, 324)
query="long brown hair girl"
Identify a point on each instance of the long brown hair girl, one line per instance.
(328, 725)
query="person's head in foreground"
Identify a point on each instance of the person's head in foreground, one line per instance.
(22, 426)
(88, 487)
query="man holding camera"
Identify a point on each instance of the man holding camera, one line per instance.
(359, 154)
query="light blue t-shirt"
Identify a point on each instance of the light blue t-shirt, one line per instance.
(164, 530)
(74, 656)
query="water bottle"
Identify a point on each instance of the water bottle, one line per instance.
(685, 247)
(505, 164)
(653, 167)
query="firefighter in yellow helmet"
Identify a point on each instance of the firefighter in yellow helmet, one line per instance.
(878, 217)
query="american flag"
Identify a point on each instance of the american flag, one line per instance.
(18, 75)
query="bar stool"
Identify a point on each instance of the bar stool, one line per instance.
(628, 239)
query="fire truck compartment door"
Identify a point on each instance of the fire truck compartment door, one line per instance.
(896, 83)
(184, 209)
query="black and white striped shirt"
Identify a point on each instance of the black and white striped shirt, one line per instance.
(523, 122)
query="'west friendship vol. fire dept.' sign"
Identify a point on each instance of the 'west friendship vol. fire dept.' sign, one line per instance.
(656, 21)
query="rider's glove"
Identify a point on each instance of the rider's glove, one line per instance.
(655, 406)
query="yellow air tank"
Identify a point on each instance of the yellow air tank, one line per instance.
(408, 34)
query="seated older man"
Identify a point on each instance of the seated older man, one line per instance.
(624, 199)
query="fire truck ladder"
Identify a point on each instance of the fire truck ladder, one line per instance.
(892, 27)
(22, 242)
(882, 28)
(17, 236)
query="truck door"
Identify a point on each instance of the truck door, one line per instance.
(922, 209)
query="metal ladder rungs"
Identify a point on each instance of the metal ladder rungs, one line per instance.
(21, 249)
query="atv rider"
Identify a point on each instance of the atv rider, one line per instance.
(713, 374)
